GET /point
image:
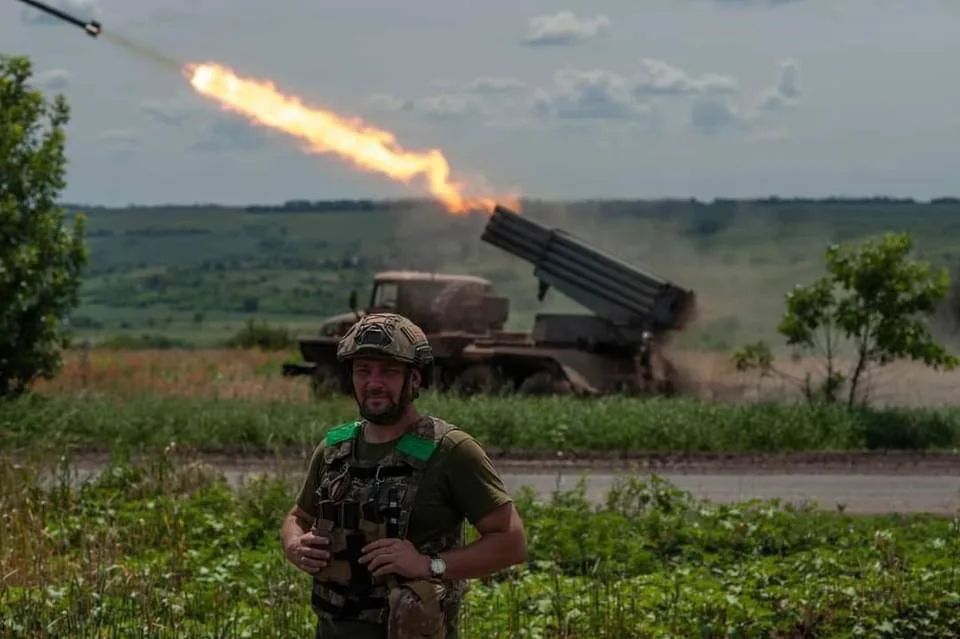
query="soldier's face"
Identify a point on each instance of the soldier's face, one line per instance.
(379, 389)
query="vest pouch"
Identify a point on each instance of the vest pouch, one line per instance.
(416, 610)
(360, 580)
(327, 520)
(339, 569)
(372, 531)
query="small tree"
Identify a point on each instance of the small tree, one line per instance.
(874, 301)
(40, 259)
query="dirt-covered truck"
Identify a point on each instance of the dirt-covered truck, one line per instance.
(612, 350)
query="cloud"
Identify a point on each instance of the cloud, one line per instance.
(387, 102)
(564, 28)
(444, 105)
(495, 85)
(657, 77)
(711, 113)
(441, 105)
(52, 79)
(786, 92)
(82, 9)
(595, 94)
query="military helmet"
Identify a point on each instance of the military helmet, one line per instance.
(386, 335)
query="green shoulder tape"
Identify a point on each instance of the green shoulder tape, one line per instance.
(342, 433)
(416, 447)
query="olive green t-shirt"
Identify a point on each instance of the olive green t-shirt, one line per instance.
(460, 482)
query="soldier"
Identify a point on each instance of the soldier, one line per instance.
(379, 519)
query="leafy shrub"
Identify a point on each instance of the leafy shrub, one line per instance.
(166, 548)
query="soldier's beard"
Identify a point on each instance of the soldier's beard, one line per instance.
(392, 413)
(385, 416)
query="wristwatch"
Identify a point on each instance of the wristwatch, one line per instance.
(437, 567)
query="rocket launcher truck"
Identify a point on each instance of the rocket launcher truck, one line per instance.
(612, 350)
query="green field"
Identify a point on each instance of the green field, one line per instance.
(197, 273)
(165, 550)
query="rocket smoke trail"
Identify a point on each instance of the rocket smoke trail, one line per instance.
(152, 55)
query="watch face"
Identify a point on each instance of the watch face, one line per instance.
(437, 566)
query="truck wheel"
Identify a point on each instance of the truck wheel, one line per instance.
(476, 379)
(545, 383)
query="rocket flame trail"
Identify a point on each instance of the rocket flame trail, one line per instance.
(326, 132)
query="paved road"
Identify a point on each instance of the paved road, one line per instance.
(860, 483)
(854, 493)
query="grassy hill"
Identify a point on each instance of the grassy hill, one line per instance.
(195, 273)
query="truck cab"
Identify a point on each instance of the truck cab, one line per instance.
(453, 310)
(437, 302)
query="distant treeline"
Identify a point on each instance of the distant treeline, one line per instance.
(334, 206)
(367, 205)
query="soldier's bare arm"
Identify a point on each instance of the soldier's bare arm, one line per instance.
(302, 548)
(502, 543)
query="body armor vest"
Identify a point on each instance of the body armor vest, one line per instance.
(360, 502)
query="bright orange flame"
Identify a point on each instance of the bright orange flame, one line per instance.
(326, 132)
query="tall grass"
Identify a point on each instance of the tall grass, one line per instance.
(506, 425)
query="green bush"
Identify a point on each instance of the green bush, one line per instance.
(40, 255)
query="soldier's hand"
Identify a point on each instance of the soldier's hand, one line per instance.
(309, 553)
(395, 556)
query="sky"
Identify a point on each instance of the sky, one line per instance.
(571, 100)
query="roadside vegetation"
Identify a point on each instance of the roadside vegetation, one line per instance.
(513, 425)
(166, 550)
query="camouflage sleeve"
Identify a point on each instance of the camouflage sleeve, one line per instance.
(306, 500)
(474, 484)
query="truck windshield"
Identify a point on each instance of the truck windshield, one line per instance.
(385, 295)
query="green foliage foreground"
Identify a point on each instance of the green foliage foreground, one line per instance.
(512, 424)
(170, 550)
(40, 257)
